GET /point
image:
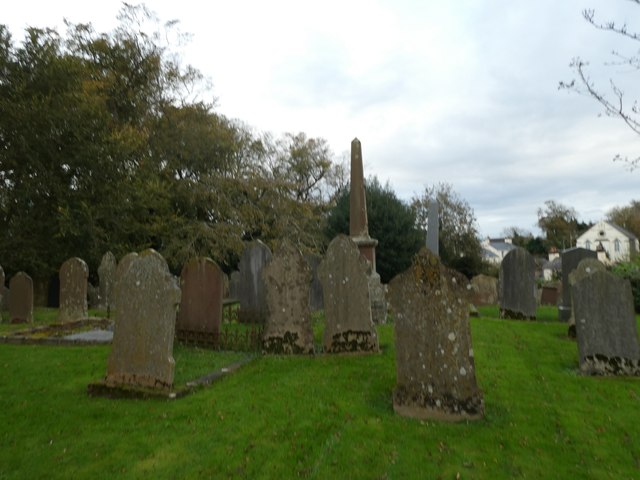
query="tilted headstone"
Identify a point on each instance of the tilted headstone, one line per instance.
(21, 298)
(73, 290)
(484, 290)
(433, 227)
(253, 304)
(517, 285)
(200, 313)
(344, 274)
(287, 279)
(316, 299)
(147, 296)
(606, 327)
(107, 273)
(434, 357)
(570, 260)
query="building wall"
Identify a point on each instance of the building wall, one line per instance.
(618, 246)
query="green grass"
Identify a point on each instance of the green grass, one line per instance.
(322, 417)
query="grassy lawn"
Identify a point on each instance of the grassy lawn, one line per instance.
(322, 417)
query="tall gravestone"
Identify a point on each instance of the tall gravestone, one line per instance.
(123, 266)
(433, 227)
(344, 274)
(359, 232)
(434, 357)
(316, 300)
(147, 296)
(288, 325)
(570, 260)
(21, 298)
(106, 274)
(517, 285)
(251, 292)
(200, 313)
(234, 284)
(606, 327)
(74, 274)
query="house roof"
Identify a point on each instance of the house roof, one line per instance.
(623, 231)
(501, 246)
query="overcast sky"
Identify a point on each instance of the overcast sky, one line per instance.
(463, 92)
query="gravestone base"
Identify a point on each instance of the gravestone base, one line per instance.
(422, 406)
(103, 389)
(354, 342)
(287, 344)
(136, 381)
(513, 315)
(610, 366)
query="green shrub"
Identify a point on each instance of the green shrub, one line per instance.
(631, 271)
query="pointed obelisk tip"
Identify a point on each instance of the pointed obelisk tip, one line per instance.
(355, 140)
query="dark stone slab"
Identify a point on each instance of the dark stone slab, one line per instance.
(74, 274)
(21, 298)
(517, 286)
(251, 288)
(571, 258)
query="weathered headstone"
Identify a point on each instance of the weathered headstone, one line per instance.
(359, 233)
(200, 313)
(517, 285)
(434, 357)
(21, 298)
(344, 274)
(316, 300)
(606, 326)
(570, 260)
(107, 273)
(484, 290)
(73, 290)
(147, 296)
(288, 325)
(4, 302)
(123, 265)
(586, 267)
(433, 227)
(251, 293)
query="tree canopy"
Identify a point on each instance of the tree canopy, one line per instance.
(391, 222)
(459, 245)
(104, 146)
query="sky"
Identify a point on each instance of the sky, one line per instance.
(462, 92)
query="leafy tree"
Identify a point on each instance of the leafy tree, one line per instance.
(459, 244)
(391, 222)
(627, 217)
(613, 102)
(559, 224)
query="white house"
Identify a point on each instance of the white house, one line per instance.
(495, 249)
(618, 244)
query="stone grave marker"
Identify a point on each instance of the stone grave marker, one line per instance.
(106, 274)
(344, 274)
(586, 267)
(433, 226)
(434, 356)
(21, 298)
(549, 295)
(234, 284)
(287, 278)
(74, 274)
(484, 290)
(606, 326)
(316, 299)
(517, 285)
(147, 296)
(251, 292)
(570, 260)
(200, 313)
(123, 265)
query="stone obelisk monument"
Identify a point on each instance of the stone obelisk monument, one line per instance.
(359, 232)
